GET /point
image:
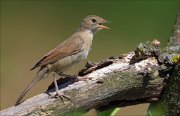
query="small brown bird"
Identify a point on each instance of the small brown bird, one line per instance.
(68, 53)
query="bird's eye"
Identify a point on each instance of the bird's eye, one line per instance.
(93, 20)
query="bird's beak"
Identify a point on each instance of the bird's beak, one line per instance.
(103, 27)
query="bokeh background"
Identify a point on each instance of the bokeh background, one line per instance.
(30, 28)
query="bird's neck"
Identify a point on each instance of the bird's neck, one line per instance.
(86, 34)
(82, 29)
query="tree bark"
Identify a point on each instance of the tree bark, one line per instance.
(171, 97)
(115, 82)
(172, 94)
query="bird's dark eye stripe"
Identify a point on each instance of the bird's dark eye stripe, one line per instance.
(100, 23)
(93, 20)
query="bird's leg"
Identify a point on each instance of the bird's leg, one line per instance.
(58, 94)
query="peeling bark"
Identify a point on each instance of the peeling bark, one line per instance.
(117, 84)
(171, 98)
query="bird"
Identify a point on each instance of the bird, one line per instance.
(68, 53)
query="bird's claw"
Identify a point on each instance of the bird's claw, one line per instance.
(61, 96)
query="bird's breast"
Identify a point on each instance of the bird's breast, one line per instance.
(67, 62)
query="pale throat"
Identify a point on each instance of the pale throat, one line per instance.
(90, 33)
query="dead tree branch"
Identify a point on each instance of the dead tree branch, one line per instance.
(115, 82)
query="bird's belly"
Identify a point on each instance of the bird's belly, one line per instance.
(67, 62)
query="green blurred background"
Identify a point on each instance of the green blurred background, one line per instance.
(29, 29)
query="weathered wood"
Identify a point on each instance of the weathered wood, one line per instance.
(118, 82)
(171, 98)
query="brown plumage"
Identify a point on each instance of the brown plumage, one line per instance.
(63, 50)
(68, 53)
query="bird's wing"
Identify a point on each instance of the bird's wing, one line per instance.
(69, 47)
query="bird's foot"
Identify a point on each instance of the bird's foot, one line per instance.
(61, 96)
(78, 78)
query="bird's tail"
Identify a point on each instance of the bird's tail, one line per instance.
(42, 73)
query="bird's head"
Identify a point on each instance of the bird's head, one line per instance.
(93, 23)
